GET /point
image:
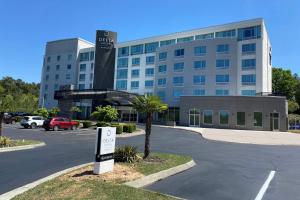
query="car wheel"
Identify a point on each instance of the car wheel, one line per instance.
(46, 129)
(55, 128)
(13, 122)
(26, 126)
(33, 126)
(74, 127)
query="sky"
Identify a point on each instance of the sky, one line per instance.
(26, 26)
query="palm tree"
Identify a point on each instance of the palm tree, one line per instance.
(74, 110)
(148, 105)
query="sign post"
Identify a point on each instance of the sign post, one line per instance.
(104, 150)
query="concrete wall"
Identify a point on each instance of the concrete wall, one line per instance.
(234, 104)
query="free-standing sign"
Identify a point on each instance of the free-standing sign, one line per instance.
(104, 150)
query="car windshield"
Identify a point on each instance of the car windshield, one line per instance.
(26, 118)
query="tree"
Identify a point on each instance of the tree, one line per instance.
(74, 110)
(105, 114)
(41, 112)
(297, 94)
(148, 105)
(7, 104)
(283, 82)
(53, 112)
(293, 106)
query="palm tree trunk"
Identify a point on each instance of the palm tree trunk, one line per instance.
(1, 118)
(147, 137)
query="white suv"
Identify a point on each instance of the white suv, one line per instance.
(32, 121)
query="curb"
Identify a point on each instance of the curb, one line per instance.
(136, 133)
(147, 180)
(11, 194)
(25, 147)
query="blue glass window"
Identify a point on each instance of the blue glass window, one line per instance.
(224, 34)
(200, 50)
(248, 64)
(122, 63)
(150, 60)
(177, 93)
(81, 86)
(185, 39)
(178, 67)
(123, 51)
(135, 61)
(248, 92)
(57, 67)
(199, 80)
(149, 72)
(84, 56)
(82, 67)
(249, 48)
(222, 79)
(222, 64)
(249, 33)
(222, 48)
(122, 73)
(135, 73)
(121, 84)
(204, 36)
(249, 79)
(161, 81)
(137, 49)
(199, 64)
(178, 80)
(222, 92)
(198, 92)
(68, 76)
(92, 53)
(151, 47)
(179, 52)
(69, 66)
(167, 42)
(162, 56)
(81, 77)
(134, 84)
(161, 95)
(48, 68)
(149, 83)
(162, 69)
(56, 76)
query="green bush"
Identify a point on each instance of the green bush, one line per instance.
(102, 124)
(115, 123)
(86, 124)
(119, 128)
(126, 153)
(129, 128)
(5, 141)
(18, 118)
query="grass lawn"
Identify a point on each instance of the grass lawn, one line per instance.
(15, 143)
(294, 131)
(91, 188)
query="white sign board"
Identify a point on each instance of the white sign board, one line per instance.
(104, 149)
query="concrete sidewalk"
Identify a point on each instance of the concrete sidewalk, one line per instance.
(247, 136)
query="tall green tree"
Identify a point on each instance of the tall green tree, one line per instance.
(148, 105)
(105, 114)
(7, 104)
(42, 112)
(297, 93)
(284, 82)
(53, 112)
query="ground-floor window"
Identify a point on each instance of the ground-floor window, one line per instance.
(207, 117)
(257, 119)
(240, 118)
(194, 117)
(224, 117)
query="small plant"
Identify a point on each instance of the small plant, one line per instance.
(126, 153)
(86, 124)
(106, 114)
(102, 124)
(129, 128)
(119, 128)
(5, 141)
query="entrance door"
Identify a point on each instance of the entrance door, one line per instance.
(274, 120)
(194, 117)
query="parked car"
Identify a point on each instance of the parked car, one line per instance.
(9, 119)
(56, 123)
(32, 121)
(295, 127)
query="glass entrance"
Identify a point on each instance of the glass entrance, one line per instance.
(194, 117)
(274, 121)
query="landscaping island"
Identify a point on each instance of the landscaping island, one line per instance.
(6, 142)
(83, 184)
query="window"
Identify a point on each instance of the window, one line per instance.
(92, 67)
(135, 61)
(199, 80)
(222, 79)
(177, 93)
(248, 64)
(123, 51)
(178, 67)
(68, 76)
(198, 92)
(222, 48)
(135, 73)
(199, 64)
(92, 53)
(69, 66)
(46, 87)
(150, 60)
(249, 33)
(222, 64)
(49, 59)
(70, 57)
(47, 77)
(122, 73)
(149, 94)
(91, 86)
(179, 53)
(91, 76)
(167, 42)
(57, 67)
(121, 84)
(137, 49)
(185, 39)
(249, 79)
(149, 84)
(151, 47)
(162, 56)
(240, 118)
(161, 95)
(207, 116)
(248, 92)
(55, 86)
(84, 56)
(56, 76)
(122, 63)
(81, 77)
(249, 48)
(45, 96)
(48, 68)
(81, 86)
(200, 50)
(220, 92)
(149, 72)
(204, 36)
(58, 58)
(82, 67)
(134, 84)
(178, 80)
(224, 117)
(162, 69)
(257, 119)
(161, 82)
(225, 34)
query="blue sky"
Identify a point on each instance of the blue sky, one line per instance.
(26, 26)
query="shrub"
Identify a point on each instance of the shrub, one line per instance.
(119, 128)
(18, 118)
(115, 123)
(102, 124)
(86, 124)
(5, 141)
(129, 128)
(126, 153)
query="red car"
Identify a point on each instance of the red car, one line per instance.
(56, 123)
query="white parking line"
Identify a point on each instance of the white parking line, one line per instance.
(265, 186)
(86, 134)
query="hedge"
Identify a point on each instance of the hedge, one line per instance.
(86, 124)
(119, 128)
(129, 128)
